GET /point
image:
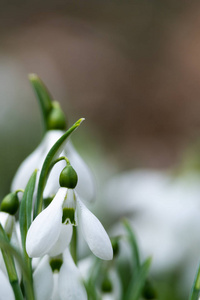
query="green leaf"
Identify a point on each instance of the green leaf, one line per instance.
(25, 210)
(91, 283)
(7, 253)
(195, 291)
(9, 262)
(137, 284)
(43, 96)
(134, 247)
(52, 155)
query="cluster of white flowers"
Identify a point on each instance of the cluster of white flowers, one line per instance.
(49, 236)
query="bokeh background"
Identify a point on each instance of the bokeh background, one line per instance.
(131, 68)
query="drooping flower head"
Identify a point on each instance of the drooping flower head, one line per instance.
(51, 231)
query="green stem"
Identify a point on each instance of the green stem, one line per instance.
(10, 266)
(28, 290)
(16, 289)
(57, 160)
(73, 245)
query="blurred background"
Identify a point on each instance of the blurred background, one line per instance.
(131, 68)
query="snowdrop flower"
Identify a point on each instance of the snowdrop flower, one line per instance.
(5, 288)
(110, 288)
(43, 280)
(60, 280)
(163, 210)
(51, 231)
(115, 292)
(36, 159)
(70, 285)
(46, 231)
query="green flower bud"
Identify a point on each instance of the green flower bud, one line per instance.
(56, 118)
(68, 177)
(106, 285)
(10, 203)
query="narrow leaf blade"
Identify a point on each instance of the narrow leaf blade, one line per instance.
(25, 212)
(136, 285)
(134, 247)
(195, 292)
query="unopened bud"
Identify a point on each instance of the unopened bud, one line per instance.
(10, 203)
(56, 118)
(68, 177)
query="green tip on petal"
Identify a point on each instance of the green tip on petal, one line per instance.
(68, 215)
(55, 264)
(106, 285)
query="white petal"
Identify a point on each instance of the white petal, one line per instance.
(94, 233)
(27, 167)
(45, 229)
(55, 293)
(85, 265)
(35, 159)
(70, 286)
(85, 186)
(43, 280)
(6, 291)
(52, 184)
(7, 221)
(63, 240)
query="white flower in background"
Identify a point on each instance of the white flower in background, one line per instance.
(43, 280)
(87, 266)
(70, 285)
(6, 291)
(85, 186)
(116, 288)
(164, 213)
(48, 235)
(65, 283)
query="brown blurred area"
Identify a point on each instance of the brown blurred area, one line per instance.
(132, 69)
